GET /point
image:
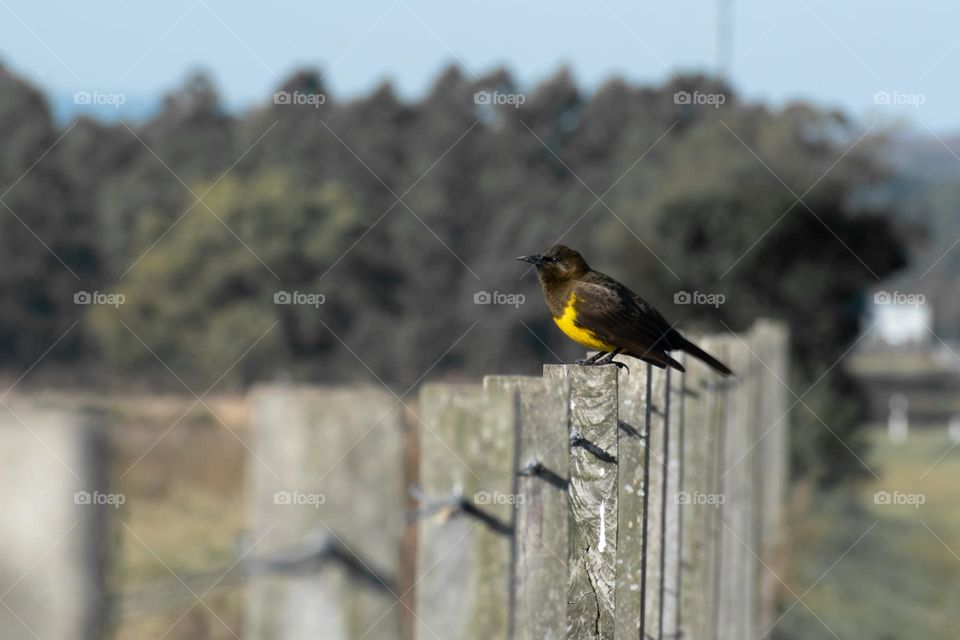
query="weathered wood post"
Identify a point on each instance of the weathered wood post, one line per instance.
(770, 342)
(541, 533)
(631, 486)
(702, 429)
(590, 503)
(593, 498)
(736, 531)
(55, 503)
(755, 371)
(326, 475)
(657, 446)
(718, 423)
(468, 458)
(675, 498)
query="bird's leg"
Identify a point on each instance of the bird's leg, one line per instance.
(592, 360)
(609, 359)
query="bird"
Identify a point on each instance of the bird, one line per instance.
(599, 313)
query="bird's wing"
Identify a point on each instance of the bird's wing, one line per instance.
(620, 317)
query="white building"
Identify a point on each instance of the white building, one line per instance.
(901, 319)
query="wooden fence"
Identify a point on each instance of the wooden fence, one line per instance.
(590, 502)
(585, 503)
(53, 494)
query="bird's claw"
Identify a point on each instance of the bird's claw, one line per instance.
(620, 365)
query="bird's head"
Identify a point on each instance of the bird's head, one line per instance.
(559, 264)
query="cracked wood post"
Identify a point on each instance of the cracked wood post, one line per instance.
(631, 466)
(700, 509)
(56, 503)
(770, 343)
(540, 567)
(327, 468)
(673, 537)
(653, 547)
(593, 498)
(468, 442)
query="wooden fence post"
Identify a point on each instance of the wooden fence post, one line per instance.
(737, 477)
(657, 410)
(541, 537)
(591, 503)
(631, 469)
(770, 343)
(464, 560)
(593, 498)
(55, 504)
(719, 390)
(674, 502)
(327, 475)
(702, 420)
(755, 371)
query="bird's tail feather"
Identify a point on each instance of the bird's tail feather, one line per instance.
(660, 360)
(705, 357)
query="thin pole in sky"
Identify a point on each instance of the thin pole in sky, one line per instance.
(724, 35)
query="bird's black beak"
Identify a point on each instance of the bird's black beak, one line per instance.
(534, 260)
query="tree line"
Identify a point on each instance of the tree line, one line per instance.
(373, 239)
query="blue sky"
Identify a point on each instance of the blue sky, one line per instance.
(838, 54)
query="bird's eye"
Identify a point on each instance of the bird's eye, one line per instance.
(555, 259)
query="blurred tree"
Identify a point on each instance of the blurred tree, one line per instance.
(47, 237)
(696, 195)
(723, 216)
(192, 134)
(91, 157)
(191, 140)
(206, 293)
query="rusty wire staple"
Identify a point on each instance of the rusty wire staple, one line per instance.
(452, 505)
(535, 468)
(577, 440)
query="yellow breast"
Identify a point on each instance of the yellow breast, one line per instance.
(584, 337)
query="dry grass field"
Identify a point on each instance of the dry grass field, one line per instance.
(181, 468)
(900, 580)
